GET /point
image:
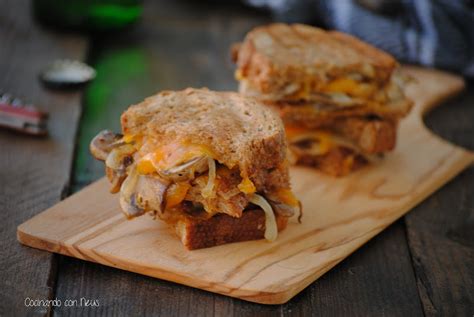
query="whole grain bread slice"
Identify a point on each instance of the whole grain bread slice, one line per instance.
(220, 229)
(273, 56)
(238, 130)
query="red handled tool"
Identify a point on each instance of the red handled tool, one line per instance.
(20, 117)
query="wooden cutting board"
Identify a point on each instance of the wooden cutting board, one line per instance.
(340, 215)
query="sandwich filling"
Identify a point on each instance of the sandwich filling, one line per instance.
(340, 99)
(296, 61)
(182, 179)
(342, 93)
(307, 146)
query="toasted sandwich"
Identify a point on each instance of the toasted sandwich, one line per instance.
(340, 98)
(211, 164)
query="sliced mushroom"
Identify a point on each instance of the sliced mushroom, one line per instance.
(103, 144)
(116, 165)
(186, 170)
(130, 207)
(150, 193)
(116, 178)
(128, 197)
(119, 157)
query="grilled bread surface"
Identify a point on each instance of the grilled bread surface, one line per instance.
(236, 129)
(273, 55)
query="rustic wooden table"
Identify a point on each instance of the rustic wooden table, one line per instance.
(422, 264)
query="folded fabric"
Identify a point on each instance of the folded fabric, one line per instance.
(437, 33)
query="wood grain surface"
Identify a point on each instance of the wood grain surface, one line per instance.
(440, 231)
(186, 43)
(34, 172)
(340, 215)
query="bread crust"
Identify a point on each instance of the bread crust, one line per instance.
(238, 130)
(273, 56)
(196, 233)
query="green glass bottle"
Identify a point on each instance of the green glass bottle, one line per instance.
(89, 15)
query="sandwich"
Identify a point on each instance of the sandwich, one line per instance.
(211, 164)
(340, 98)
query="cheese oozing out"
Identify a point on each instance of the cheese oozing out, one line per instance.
(174, 154)
(321, 142)
(153, 159)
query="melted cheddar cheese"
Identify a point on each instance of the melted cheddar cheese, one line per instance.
(170, 155)
(286, 196)
(247, 186)
(350, 87)
(239, 75)
(324, 139)
(176, 194)
(312, 85)
(128, 138)
(173, 154)
(145, 167)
